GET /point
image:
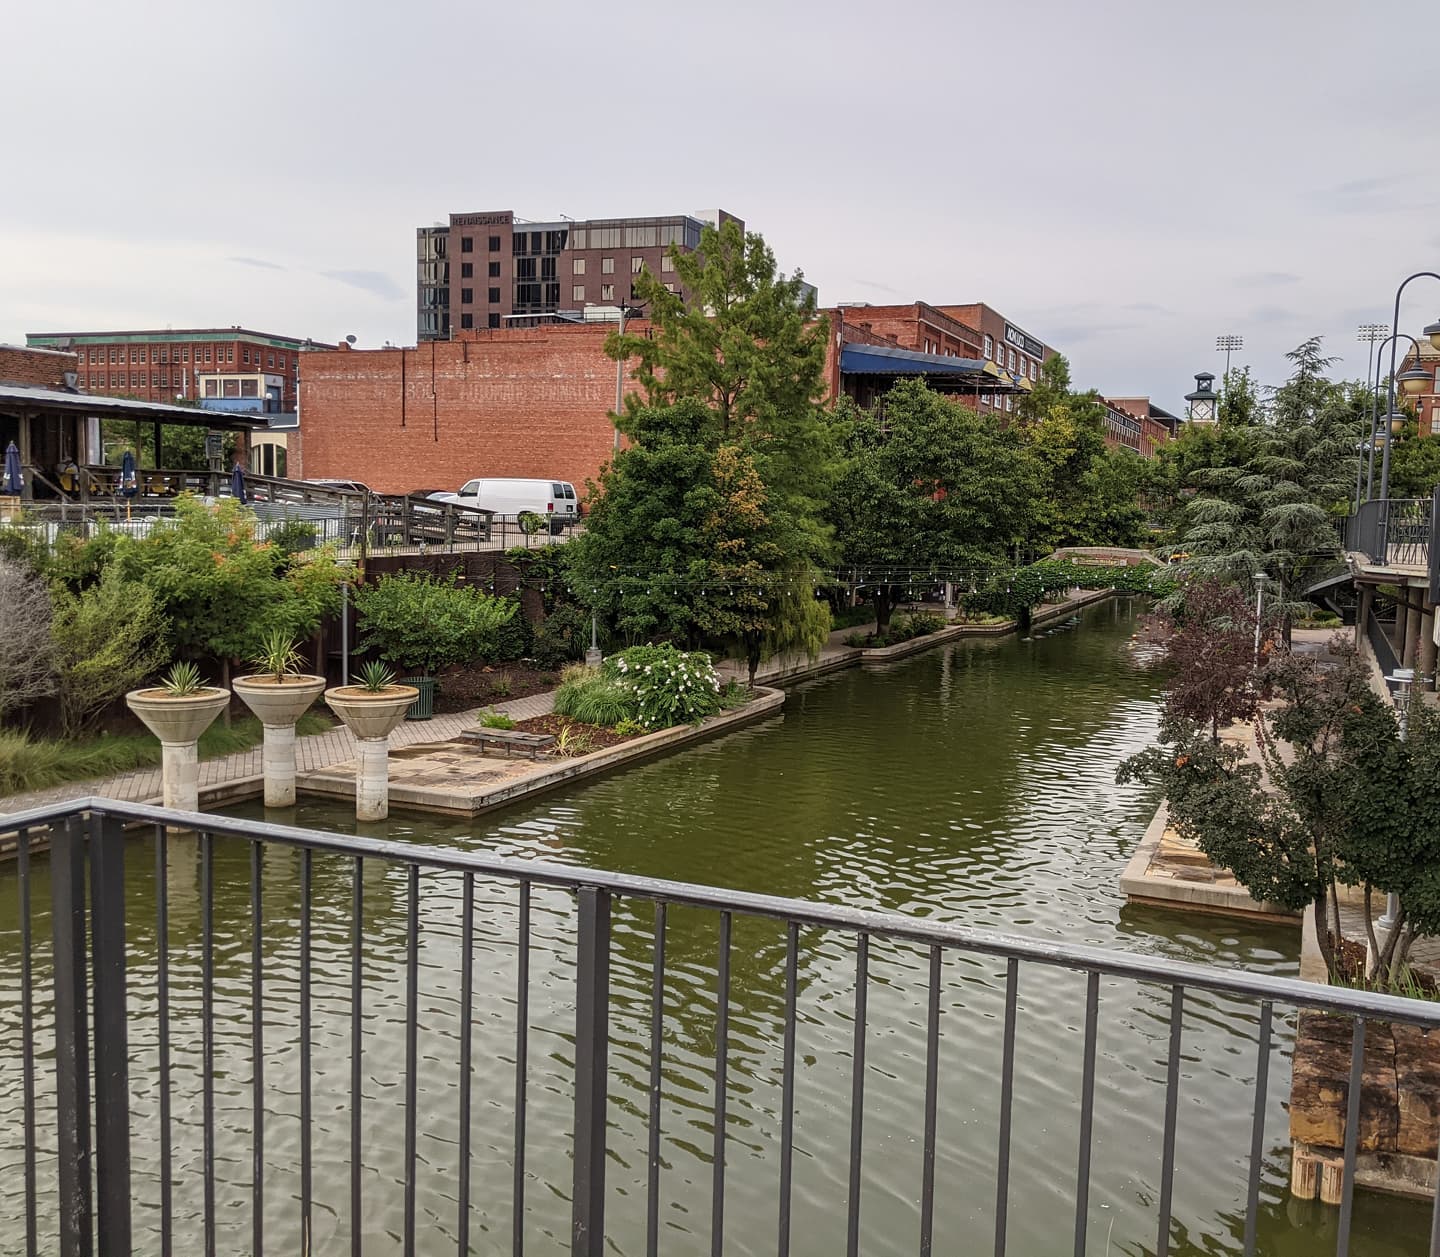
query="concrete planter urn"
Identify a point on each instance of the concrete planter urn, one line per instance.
(279, 703)
(370, 715)
(178, 721)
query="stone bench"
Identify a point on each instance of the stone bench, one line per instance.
(508, 738)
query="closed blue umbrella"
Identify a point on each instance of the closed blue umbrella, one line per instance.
(14, 480)
(237, 483)
(128, 485)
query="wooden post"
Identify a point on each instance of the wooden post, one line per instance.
(1304, 1173)
(1332, 1179)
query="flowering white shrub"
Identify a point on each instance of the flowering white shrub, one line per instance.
(671, 686)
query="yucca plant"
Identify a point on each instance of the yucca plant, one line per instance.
(375, 677)
(183, 680)
(278, 655)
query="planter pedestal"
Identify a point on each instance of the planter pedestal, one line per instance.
(178, 723)
(279, 706)
(370, 715)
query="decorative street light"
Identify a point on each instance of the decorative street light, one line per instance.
(1394, 333)
(1395, 420)
(1401, 679)
(1260, 578)
(1202, 400)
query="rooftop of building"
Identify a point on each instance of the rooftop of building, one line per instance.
(41, 340)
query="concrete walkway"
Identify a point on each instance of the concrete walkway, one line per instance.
(312, 753)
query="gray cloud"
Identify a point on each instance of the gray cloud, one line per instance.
(374, 282)
(1273, 314)
(259, 263)
(1266, 279)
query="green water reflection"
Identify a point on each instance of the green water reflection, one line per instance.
(974, 783)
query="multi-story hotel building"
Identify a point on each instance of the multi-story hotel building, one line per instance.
(483, 271)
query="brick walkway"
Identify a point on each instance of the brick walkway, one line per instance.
(311, 753)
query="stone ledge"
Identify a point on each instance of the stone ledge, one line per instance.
(951, 633)
(458, 801)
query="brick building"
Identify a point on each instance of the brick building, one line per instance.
(1426, 403)
(1156, 425)
(481, 271)
(161, 366)
(518, 401)
(535, 401)
(38, 368)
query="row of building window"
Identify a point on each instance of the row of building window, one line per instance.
(158, 379)
(1007, 359)
(467, 321)
(467, 270)
(181, 353)
(467, 244)
(1001, 401)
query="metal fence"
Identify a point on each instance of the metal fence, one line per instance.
(90, 1194)
(1392, 531)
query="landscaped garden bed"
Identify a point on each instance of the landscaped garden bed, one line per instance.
(463, 687)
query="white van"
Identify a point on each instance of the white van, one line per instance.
(553, 500)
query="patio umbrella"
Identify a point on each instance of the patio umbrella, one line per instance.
(237, 483)
(128, 485)
(14, 481)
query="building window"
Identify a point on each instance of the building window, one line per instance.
(637, 265)
(467, 320)
(1012, 360)
(494, 270)
(1009, 402)
(245, 356)
(607, 292)
(270, 361)
(492, 320)
(579, 266)
(467, 270)
(494, 244)
(1034, 370)
(467, 244)
(989, 346)
(467, 295)
(207, 353)
(230, 353)
(667, 263)
(185, 353)
(154, 379)
(672, 288)
(577, 293)
(607, 266)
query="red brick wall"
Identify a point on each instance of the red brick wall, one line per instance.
(35, 368)
(515, 402)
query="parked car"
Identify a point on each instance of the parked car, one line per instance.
(345, 486)
(555, 501)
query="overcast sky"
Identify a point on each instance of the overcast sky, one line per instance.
(1126, 179)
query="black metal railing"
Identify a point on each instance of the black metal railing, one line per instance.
(77, 1072)
(1392, 531)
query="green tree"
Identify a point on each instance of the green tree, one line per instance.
(219, 588)
(1268, 498)
(1414, 464)
(1240, 403)
(108, 639)
(932, 486)
(417, 622)
(745, 347)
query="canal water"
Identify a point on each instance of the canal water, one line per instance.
(973, 783)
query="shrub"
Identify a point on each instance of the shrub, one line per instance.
(502, 684)
(923, 622)
(291, 536)
(422, 624)
(108, 639)
(496, 720)
(27, 670)
(593, 698)
(856, 639)
(670, 686)
(561, 636)
(629, 728)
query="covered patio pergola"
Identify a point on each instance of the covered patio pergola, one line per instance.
(58, 433)
(868, 372)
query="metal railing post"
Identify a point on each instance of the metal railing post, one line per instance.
(112, 1072)
(592, 1042)
(72, 1035)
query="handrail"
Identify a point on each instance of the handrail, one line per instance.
(835, 916)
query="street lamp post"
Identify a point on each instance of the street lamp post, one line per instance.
(1394, 420)
(1260, 578)
(1395, 333)
(1228, 345)
(1402, 679)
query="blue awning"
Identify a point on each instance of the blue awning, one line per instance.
(884, 360)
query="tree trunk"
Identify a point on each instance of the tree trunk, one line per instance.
(882, 610)
(752, 655)
(1370, 934)
(1322, 931)
(1392, 945)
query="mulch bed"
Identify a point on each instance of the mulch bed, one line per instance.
(1350, 961)
(599, 737)
(462, 688)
